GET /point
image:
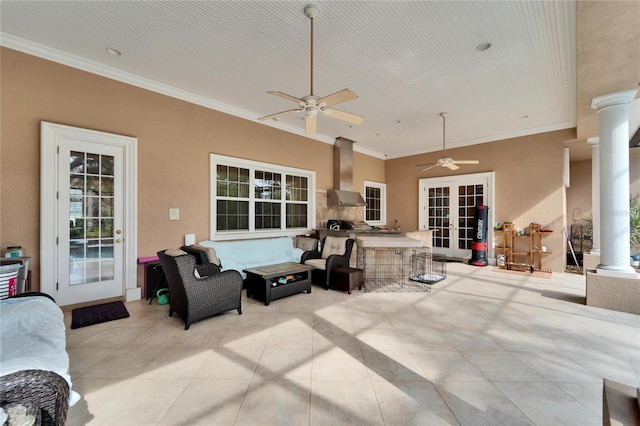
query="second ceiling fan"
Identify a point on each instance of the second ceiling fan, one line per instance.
(311, 104)
(445, 161)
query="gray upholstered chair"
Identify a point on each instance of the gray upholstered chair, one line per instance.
(196, 297)
(336, 251)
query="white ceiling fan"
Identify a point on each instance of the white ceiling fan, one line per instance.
(445, 161)
(312, 104)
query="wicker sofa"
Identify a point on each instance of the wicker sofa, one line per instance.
(34, 363)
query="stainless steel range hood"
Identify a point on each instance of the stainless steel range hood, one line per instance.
(343, 193)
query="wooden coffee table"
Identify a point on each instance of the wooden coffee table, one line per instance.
(267, 282)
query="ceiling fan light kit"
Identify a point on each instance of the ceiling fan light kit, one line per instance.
(445, 161)
(311, 104)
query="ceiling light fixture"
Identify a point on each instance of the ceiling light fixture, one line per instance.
(481, 47)
(397, 121)
(112, 51)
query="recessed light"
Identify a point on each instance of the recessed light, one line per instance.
(397, 121)
(481, 47)
(524, 116)
(112, 51)
(348, 126)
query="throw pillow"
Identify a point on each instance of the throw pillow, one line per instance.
(174, 252)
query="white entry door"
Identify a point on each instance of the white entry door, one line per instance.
(90, 223)
(447, 207)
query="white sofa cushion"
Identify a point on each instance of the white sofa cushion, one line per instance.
(244, 254)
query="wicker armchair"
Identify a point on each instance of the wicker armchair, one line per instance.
(336, 251)
(43, 391)
(196, 298)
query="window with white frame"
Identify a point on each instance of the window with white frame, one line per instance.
(375, 195)
(251, 198)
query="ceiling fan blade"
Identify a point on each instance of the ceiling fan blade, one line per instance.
(285, 96)
(466, 162)
(343, 95)
(452, 166)
(342, 115)
(430, 166)
(310, 124)
(279, 114)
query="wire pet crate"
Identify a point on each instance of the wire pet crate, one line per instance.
(427, 268)
(399, 269)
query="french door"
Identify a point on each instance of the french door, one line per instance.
(90, 223)
(447, 207)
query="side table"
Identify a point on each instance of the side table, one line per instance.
(154, 275)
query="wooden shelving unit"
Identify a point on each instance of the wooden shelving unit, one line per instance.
(520, 255)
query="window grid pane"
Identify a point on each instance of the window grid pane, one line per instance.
(267, 215)
(296, 215)
(232, 215)
(267, 185)
(280, 200)
(297, 188)
(232, 182)
(374, 202)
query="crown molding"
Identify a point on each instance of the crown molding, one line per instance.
(25, 46)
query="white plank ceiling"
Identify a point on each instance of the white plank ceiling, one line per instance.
(407, 60)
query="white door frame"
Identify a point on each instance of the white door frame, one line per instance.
(489, 199)
(50, 134)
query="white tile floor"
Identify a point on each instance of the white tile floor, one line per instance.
(483, 348)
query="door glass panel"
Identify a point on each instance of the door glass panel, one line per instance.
(438, 200)
(93, 185)
(466, 210)
(93, 164)
(91, 230)
(106, 207)
(107, 165)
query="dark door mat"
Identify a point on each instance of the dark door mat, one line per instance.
(83, 317)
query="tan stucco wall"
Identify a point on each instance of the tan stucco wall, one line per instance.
(174, 142)
(529, 185)
(579, 193)
(607, 56)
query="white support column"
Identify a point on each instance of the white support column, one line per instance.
(613, 114)
(595, 194)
